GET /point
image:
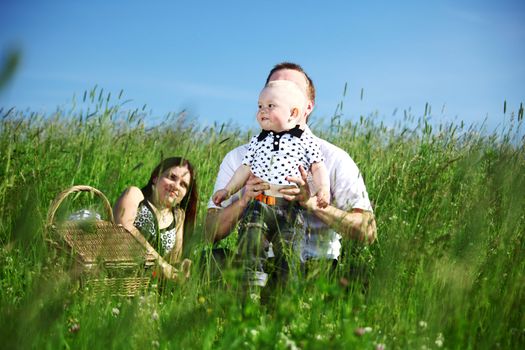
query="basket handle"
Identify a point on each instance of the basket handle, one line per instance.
(79, 188)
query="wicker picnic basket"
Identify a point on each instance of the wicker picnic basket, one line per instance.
(107, 257)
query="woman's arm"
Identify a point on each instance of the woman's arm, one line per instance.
(125, 209)
(125, 212)
(167, 270)
(176, 251)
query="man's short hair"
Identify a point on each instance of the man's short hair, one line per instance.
(296, 67)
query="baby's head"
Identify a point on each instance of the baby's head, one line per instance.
(281, 105)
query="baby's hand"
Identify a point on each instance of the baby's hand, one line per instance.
(220, 196)
(323, 199)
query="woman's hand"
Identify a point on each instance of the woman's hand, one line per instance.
(185, 267)
(169, 271)
(253, 187)
(301, 193)
(172, 273)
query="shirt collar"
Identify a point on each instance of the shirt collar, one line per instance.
(297, 132)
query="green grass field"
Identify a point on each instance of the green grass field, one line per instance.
(448, 269)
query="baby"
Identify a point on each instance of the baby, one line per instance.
(281, 147)
(273, 155)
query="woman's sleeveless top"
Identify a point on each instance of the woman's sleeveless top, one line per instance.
(146, 222)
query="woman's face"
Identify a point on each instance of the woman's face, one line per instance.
(172, 185)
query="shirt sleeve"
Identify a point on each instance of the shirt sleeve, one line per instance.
(248, 157)
(313, 150)
(347, 184)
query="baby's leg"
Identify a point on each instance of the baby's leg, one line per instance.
(287, 240)
(252, 241)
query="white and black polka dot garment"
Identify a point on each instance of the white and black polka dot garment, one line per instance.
(273, 156)
(146, 223)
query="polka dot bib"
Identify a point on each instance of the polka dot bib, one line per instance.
(272, 156)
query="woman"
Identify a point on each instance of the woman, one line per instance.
(163, 212)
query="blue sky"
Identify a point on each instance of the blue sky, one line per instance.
(211, 57)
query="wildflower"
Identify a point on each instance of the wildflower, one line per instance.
(380, 346)
(254, 333)
(439, 340)
(422, 324)
(155, 315)
(115, 311)
(304, 306)
(289, 343)
(202, 300)
(155, 343)
(359, 331)
(75, 327)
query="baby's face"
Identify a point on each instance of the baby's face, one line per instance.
(275, 109)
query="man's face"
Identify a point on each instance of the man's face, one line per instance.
(299, 79)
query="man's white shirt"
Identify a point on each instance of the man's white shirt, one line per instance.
(347, 191)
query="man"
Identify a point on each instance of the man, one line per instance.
(349, 214)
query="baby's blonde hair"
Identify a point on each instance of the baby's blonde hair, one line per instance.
(297, 95)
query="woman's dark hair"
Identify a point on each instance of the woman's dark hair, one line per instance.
(189, 202)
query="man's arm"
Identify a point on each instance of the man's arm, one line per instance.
(220, 222)
(321, 184)
(355, 224)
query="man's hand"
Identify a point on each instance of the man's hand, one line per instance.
(323, 199)
(300, 193)
(254, 187)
